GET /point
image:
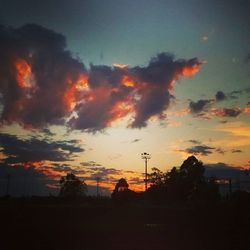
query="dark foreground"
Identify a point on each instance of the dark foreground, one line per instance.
(104, 225)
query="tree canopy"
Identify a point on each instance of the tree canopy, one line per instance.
(184, 183)
(71, 186)
(122, 193)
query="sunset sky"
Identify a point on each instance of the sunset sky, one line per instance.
(87, 86)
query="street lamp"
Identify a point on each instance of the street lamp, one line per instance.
(145, 156)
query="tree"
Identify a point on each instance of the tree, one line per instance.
(157, 190)
(122, 193)
(184, 183)
(157, 177)
(72, 187)
(121, 185)
(188, 182)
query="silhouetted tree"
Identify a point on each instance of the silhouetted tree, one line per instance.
(157, 177)
(184, 183)
(189, 183)
(122, 193)
(157, 190)
(72, 187)
(121, 185)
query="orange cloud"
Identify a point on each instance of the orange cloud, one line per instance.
(190, 70)
(118, 111)
(23, 73)
(57, 84)
(247, 110)
(128, 81)
(73, 87)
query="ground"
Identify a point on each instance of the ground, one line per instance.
(104, 225)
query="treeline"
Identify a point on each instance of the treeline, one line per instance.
(183, 184)
(179, 186)
(186, 183)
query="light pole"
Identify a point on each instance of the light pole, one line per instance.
(145, 156)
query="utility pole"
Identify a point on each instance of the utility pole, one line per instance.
(97, 185)
(145, 156)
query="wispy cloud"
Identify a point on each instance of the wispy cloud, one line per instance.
(194, 141)
(135, 140)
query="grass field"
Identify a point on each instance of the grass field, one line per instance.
(104, 225)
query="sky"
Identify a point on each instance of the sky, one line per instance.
(86, 86)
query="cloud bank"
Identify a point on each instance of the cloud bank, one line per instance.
(23, 151)
(42, 84)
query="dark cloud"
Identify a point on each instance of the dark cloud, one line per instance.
(220, 151)
(194, 141)
(41, 83)
(135, 140)
(223, 171)
(103, 172)
(235, 94)
(32, 150)
(143, 91)
(203, 108)
(220, 96)
(111, 175)
(200, 150)
(159, 77)
(135, 180)
(90, 164)
(47, 132)
(227, 112)
(106, 175)
(36, 75)
(199, 106)
(58, 167)
(236, 151)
